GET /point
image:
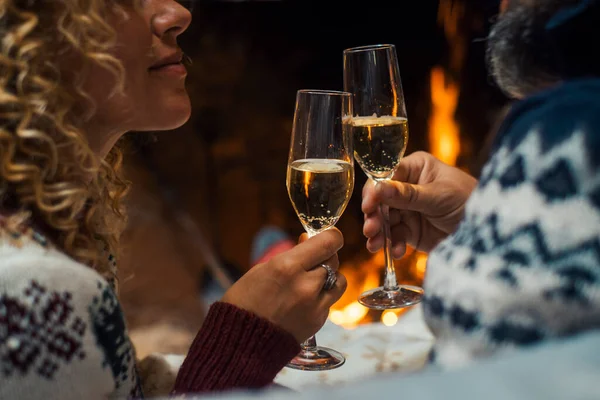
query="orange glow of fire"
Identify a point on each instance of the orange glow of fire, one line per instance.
(391, 317)
(444, 133)
(450, 17)
(444, 137)
(348, 312)
(418, 266)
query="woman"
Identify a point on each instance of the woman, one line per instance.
(75, 76)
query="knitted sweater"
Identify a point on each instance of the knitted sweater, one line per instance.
(524, 264)
(63, 335)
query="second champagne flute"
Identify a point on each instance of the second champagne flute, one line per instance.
(320, 180)
(380, 135)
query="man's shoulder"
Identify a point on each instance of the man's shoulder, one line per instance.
(555, 115)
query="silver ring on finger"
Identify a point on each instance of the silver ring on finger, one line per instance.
(331, 277)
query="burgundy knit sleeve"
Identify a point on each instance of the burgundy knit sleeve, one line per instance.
(234, 349)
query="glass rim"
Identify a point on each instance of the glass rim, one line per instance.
(324, 92)
(369, 47)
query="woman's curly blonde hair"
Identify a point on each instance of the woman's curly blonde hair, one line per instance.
(47, 168)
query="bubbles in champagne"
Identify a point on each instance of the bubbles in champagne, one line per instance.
(320, 190)
(379, 144)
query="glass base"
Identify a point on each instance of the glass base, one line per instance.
(381, 299)
(317, 359)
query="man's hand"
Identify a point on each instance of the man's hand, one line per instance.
(426, 199)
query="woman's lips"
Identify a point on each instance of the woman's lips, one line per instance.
(175, 69)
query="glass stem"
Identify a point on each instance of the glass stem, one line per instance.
(389, 282)
(310, 345)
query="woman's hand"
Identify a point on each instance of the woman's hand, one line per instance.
(288, 289)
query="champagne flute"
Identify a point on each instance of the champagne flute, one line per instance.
(320, 180)
(380, 134)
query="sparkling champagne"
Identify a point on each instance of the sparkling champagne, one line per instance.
(319, 190)
(379, 144)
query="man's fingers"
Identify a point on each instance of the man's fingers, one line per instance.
(375, 243)
(400, 236)
(413, 167)
(372, 225)
(402, 196)
(398, 250)
(373, 222)
(397, 195)
(401, 233)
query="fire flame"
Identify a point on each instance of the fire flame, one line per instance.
(444, 135)
(451, 14)
(348, 312)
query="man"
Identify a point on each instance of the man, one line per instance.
(514, 257)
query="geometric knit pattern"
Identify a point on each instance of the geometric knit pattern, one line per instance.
(523, 265)
(40, 332)
(62, 331)
(63, 334)
(108, 325)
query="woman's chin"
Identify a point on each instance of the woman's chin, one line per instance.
(168, 118)
(181, 119)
